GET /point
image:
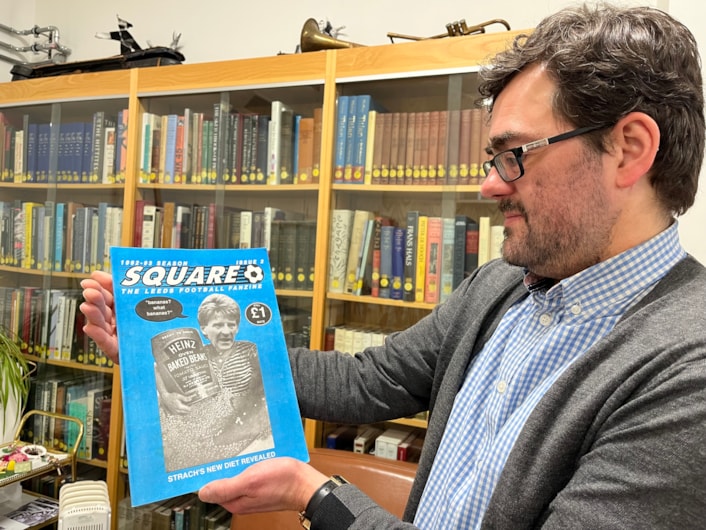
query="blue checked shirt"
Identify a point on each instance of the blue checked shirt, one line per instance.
(537, 339)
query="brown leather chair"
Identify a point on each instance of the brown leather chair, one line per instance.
(387, 482)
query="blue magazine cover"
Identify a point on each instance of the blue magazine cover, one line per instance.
(206, 381)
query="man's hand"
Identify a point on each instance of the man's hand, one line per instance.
(272, 485)
(100, 316)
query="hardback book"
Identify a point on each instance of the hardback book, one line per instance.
(448, 240)
(394, 148)
(340, 239)
(398, 241)
(305, 148)
(474, 163)
(410, 255)
(341, 134)
(375, 272)
(483, 240)
(433, 274)
(279, 132)
(318, 122)
(453, 146)
(378, 139)
(351, 139)
(420, 269)
(204, 360)
(360, 222)
(386, 251)
(465, 144)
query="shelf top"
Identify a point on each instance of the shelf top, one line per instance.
(74, 87)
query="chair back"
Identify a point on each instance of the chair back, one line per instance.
(387, 482)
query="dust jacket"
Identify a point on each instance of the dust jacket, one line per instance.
(206, 380)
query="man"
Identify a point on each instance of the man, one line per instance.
(567, 382)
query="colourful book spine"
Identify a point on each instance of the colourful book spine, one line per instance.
(447, 257)
(398, 242)
(421, 268)
(339, 160)
(410, 255)
(433, 273)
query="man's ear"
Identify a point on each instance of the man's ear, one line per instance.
(635, 145)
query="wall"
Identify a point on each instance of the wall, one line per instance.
(217, 30)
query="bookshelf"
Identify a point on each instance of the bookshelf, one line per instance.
(413, 77)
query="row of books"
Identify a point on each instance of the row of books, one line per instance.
(85, 397)
(92, 151)
(405, 148)
(394, 443)
(422, 261)
(351, 340)
(48, 324)
(58, 236)
(281, 147)
(289, 238)
(186, 512)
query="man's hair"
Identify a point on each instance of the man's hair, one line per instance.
(607, 62)
(218, 305)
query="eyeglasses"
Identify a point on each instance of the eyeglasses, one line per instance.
(509, 163)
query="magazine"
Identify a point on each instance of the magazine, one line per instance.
(206, 381)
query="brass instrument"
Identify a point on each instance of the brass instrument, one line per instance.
(313, 39)
(457, 28)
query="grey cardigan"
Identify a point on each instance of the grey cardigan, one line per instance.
(619, 441)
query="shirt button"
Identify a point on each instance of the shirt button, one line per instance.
(576, 309)
(545, 319)
(501, 386)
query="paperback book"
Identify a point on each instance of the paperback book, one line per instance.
(205, 374)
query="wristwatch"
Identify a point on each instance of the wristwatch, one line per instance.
(331, 484)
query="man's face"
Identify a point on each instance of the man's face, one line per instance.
(220, 331)
(558, 217)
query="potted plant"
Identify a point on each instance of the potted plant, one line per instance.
(15, 373)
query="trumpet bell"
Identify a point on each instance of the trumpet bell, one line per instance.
(313, 39)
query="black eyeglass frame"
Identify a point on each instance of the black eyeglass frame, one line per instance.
(517, 152)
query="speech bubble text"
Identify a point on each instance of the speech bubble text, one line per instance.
(159, 309)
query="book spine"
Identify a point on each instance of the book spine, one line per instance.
(421, 268)
(386, 245)
(341, 227)
(398, 245)
(433, 273)
(363, 106)
(351, 138)
(448, 239)
(410, 255)
(339, 159)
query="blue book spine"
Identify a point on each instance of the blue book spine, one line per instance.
(350, 138)
(341, 133)
(59, 236)
(363, 106)
(398, 243)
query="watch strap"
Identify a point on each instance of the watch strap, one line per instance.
(320, 494)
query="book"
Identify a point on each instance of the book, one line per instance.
(433, 269)
(360, 222)
(410, 255)
(340, 141)
(420, 269)
(206, 407)
(340, 238)
(448, 241)
(483, 240)
(398, 244)
(386, 249)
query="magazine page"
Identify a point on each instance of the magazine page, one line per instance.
(206, 381)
